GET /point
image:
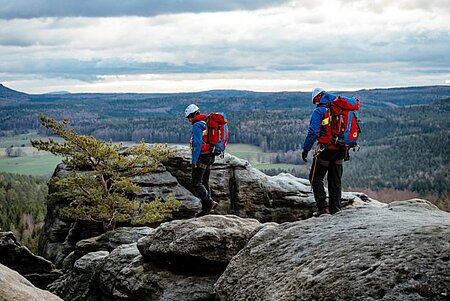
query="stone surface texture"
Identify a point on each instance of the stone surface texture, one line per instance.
(395, 252)
(14, 287)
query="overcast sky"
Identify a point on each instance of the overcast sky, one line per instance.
(260, 45)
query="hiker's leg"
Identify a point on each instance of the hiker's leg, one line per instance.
(316, 176)
(199, 188)
(335, 171)
(211, 203)
(205, 180)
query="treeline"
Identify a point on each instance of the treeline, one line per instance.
(402, 147)
(23, 207)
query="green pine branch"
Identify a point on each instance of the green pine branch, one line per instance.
(100, 183)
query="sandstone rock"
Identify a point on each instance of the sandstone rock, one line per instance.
(78, 283)
(144, 280)
(182, 261)
(106, 242)
(112, 239)
(207, 242)
(400, 252)
(36, 269)
(59, 235)
(246, 192)
(160, 184)
(109, 269)
(84, 266)
(14, 287)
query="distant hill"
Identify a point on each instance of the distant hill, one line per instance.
(58, 93)
(236, 100)
(7, 94)
(403, 96)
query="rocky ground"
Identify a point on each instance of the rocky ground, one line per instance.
(399, 252)
(14, 287)
(262, 244)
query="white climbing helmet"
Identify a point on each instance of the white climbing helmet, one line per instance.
(192, 108)
(316, 92)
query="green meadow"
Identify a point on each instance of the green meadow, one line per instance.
(18, 140)
(34, 162)
(29, 165)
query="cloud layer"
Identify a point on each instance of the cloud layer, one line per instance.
(106, 8)
(241, 44)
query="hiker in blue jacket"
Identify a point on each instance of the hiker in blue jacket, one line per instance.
(327, 159)
(202, 159)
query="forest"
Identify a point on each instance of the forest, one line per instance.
(23, 206)
(405, 131)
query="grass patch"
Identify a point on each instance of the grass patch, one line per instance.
(30, 165)
(251, 153)
(267, 166)
(19, 140)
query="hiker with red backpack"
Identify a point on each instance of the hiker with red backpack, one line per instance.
(334, 124)
(209, 139)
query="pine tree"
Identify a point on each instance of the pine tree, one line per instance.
(100, 184)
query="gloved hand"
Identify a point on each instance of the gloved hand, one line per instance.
(194, 166)
(304, 155)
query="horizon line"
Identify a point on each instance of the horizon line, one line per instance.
(62, 92)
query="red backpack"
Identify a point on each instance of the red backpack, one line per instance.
(341, 123)
(216, 138)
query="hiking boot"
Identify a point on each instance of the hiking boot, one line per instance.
(320, 212)
(200, 213)
(212, 206)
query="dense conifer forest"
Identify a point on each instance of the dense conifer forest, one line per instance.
(22, 206)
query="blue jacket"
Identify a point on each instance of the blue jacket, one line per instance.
(316, 122)
(197, 137)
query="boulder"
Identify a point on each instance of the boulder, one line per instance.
(80, 266)
(77, 283)
(105, 242)
(197, 244)
(15, 287)
(109, 269)
(36, 269)
(144, 280)
(395, 252)
(179, 260)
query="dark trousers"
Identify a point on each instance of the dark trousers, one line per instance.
(200, 180)
(331, 162)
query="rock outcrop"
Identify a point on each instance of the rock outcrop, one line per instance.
(180, 260)
(105, 242)
(260, 245)
(397, 252)
(14, 287)
(247, 192)
(36, 269)
(240, 190)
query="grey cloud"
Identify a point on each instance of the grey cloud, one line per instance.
(10, 9)
(380, 6)
(89, 70)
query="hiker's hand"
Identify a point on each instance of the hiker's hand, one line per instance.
(194, 166)
(304, 155)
